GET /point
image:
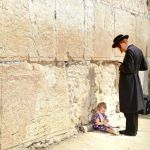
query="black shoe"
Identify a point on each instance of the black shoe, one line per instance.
(130, 134)
(122, 131)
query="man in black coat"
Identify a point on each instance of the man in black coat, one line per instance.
(130, 89)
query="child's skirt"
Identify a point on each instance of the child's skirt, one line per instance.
(102, 128)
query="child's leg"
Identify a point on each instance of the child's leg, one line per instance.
(110, 130)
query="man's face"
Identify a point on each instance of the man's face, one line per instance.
(123, 45)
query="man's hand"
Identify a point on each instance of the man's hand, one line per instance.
(117, 63)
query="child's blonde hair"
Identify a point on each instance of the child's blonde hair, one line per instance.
(101, 105)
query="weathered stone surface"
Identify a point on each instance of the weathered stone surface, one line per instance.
(133, 6)
(70, 26)
(26, 32)
(43, 34)
(68, 29)
(88, 85)
(14, 16)
(106, 82)
(35, 102)
(89, 29)
(104, 31)
(46, 100)
(79, 90)
(142, 33)
(124, 24)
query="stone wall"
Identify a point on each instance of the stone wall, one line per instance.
(56, 64)
(39, 100)
(69, 29)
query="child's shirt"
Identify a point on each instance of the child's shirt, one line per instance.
(101, 117)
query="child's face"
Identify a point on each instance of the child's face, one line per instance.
(102, 110)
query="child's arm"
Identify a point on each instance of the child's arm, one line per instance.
(98, 122)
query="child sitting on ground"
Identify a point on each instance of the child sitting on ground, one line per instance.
(100, 121)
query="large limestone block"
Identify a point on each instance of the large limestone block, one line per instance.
(105, 1)
(89, 29)
(28, 29)
(70, 28)
(42, 16)
(79, 93)
(106, 83)
(99, 30)
(35, 102)
(1, 38)
(104, 31)
(15, 23)
(133, 6)
(124, 24)
(142, 33)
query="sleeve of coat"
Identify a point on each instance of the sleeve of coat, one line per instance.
(127, 66)
(143, 65)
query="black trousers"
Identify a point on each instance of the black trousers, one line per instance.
(131, 122)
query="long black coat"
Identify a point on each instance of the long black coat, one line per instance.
(130, 89)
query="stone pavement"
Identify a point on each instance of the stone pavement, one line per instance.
(101, 141)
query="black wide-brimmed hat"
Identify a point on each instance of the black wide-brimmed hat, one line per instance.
(119, 38)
